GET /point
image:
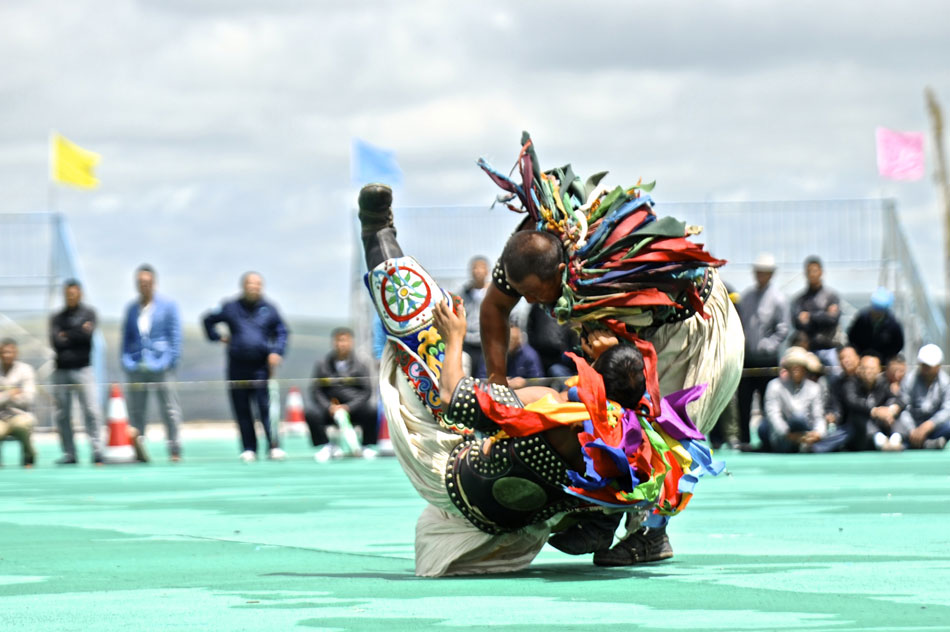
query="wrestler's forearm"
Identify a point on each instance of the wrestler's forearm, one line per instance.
(493, 321)
(452, 372)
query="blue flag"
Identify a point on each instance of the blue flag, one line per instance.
(369, 163)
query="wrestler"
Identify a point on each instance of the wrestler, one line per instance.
(499, 467)
(603, 261)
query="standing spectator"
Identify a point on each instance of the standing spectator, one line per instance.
(151, 348)
(256, 341)
(764, 315)
(551, 340)
(523, 360)
(472, 295)
(70, 334)
(925, 422)
(816, 312)
(793, 416)
(17, 390)
(870, 409)
(875, 330)
(354, 397)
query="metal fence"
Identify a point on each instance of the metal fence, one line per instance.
(861, 243)
(37, 255)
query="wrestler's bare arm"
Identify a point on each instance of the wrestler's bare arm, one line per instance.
(493, 322)
(451, 326)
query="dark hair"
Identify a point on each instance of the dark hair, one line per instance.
(72, 283)
(532, 252)
(145, 268)
(813, 259)
(7, 341)
(477, 258)
(622, 369)
(341, 331)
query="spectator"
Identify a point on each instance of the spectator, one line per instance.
(895, 373)
(793, 416)
(256, 341)
(870, 409)
(925, 422)
(356, 397)
(849, 361)
(151, 348)
(523, 360)
(816, 311)
(17, 390)
(70, 335)
(816, 373)
(764, 315)
(551, 340)
(875, 330)
(472, 295)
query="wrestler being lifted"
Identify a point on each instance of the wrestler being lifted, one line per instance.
(499, 468)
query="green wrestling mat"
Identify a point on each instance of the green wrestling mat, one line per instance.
(835, 542)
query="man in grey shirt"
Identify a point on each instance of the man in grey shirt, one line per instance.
(925, 422)
(472, 295)
(764, 315)
(794, 417)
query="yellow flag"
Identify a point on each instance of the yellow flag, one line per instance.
(71, 164)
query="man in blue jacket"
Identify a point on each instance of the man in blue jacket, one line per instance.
(151, 348)
(256, 343)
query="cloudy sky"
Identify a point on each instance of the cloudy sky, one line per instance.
(225, 125)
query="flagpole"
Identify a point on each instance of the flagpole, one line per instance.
(943, 184)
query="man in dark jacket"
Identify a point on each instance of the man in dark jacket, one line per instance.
(816, 312)
(551, 340)
(870, 408)
(256, 343)
(875, 330)
(70, 333)
(353, 397)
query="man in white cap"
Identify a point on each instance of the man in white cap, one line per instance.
(925, 422)
(794, 416)
(764, 315)
(876, 330)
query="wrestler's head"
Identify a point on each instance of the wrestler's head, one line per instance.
(534, 262)
(621, 366)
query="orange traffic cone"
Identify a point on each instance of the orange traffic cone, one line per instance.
(384, 445)
(295, 423)
(120, 448)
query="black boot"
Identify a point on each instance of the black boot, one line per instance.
(643, 545)
(593, 533)
(376, 220)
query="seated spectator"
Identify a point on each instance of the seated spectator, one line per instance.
(354, 398)
(895, 373)
(875, 329)
(870, 409)
(925, 422)
(793, 416)
(551, 340)
(849, 360)
(17, 390)
(523, 360)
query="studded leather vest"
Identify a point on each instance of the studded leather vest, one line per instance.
(519, 481)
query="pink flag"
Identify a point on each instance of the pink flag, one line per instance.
(900, 155)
